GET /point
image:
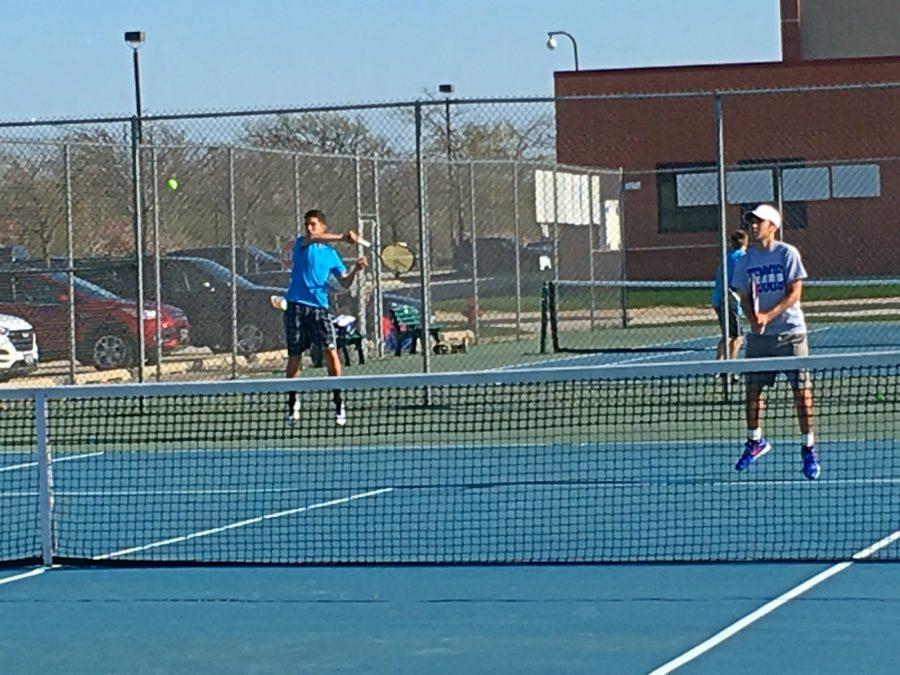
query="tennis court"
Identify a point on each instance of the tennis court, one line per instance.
(406, 512)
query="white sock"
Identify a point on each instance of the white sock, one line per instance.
(754, 434)
(808, 440)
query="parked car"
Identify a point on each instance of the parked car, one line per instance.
(18, 346)
(252, 263)
(203, 289)
(250, 260)
(497, 255)
(106, 325)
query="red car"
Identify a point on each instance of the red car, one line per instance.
(105, 324)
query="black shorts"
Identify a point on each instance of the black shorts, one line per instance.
(305, 326)
(734, 321)
(769, 346)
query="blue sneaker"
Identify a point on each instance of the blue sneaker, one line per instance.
(753, 450)
(811, 468)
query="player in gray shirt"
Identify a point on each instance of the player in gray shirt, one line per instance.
(769, 279)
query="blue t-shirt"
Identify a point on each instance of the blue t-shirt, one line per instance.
(733, 257)
(311, 267)
(773, 270)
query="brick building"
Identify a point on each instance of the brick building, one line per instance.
(830, 157)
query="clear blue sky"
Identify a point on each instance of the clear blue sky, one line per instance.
(67, 57)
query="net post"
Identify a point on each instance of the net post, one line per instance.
(544, 315)
(45, 479)
(554, 310)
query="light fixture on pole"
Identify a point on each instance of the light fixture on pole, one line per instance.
(135, 38)
(551, 43)
(447, 89)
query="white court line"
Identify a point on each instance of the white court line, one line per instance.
(61, 459)
(771, 606)
(26, 575)
(241, 523)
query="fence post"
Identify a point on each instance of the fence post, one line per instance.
(723, 229)
(779, 198)
(518, 243)
(138, 240)
(70, 259)
(473, 234)
(376, 266)
(555, 224)
(591, 245)
(154, 177)
(298, 216)
(424, 256)
(623, 262)
(233, 242)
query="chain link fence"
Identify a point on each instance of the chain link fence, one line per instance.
(624, 203)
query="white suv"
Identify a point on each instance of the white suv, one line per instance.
(18, 346)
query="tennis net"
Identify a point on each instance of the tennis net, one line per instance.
(563, 465)
(676, 316)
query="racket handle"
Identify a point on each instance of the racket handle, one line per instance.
(365, 243)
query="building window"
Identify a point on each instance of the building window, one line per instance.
(749, 186)
(855, 181)
(696, 189)
(687, 197)
(805, 184)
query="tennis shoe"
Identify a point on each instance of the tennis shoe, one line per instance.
(292, 412)
(811, 467)
(753, 450)
(340, 415)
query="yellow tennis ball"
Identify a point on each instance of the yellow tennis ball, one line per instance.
(172, 184)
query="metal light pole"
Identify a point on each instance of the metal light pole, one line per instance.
(457, 237)
(135, 39)
(551, 43)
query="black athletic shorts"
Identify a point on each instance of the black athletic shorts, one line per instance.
(734, 321)
(305, 326)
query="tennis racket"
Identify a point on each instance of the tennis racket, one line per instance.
(398, 258)
(754, 300)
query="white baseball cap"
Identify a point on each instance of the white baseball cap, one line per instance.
(766, 212)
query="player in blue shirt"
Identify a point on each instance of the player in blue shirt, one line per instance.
(307, 319)
(739, 241)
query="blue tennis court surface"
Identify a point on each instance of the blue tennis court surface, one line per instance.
(578, 619)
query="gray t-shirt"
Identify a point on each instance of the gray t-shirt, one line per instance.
(772, 269)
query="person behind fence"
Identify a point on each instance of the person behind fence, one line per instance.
(307, 319)
(739, 241)
(770, 280)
